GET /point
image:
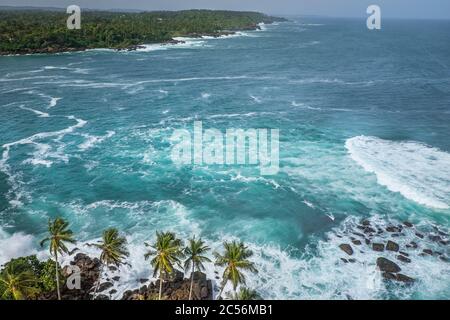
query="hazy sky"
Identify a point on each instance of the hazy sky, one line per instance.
(439, 9)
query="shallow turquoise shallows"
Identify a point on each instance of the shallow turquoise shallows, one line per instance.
(364, 119)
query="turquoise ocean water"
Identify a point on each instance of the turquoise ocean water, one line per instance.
(364, 133)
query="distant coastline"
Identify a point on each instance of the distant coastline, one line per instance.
(27, 32)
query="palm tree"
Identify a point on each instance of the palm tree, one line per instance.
(59, 235)
(166, 252)
(195, 259)
(245, 294)
(17, 284)
(234, 260)
(113, 250)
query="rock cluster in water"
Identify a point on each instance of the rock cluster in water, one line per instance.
(367, 236)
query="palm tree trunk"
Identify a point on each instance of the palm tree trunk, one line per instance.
(192, 282)
(98, 281)
(57, 275)
(221, 290)
(160, 285)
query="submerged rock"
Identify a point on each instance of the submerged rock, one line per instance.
(408, 224)
(378, 247)
(387, 265)
(397, 277)
(346, 248)
(104, 286)
(403, 259)
(392, 246)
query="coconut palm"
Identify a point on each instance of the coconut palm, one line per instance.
(59, 235)
(166, 252)
(17, 284)
(194, 253)
(113, 250)
(234, 259)
(245, 294)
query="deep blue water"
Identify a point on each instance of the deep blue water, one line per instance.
(364, 132)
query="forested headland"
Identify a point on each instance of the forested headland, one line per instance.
(39, 31)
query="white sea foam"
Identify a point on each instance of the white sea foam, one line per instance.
(39, 113)
(309, 204)
(53, 102)
(419, 172)
(256, 99)
(91, 141)
(304, 106)
(185, 43)
(15, 245)
(42, 151)
(205, 95)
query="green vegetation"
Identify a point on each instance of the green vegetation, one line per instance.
(26, 277)
(195, 258)
(244, 294)
(29, 278)
(113, 251)
(46, 31)
(234, 259)
(166, 252)
(59, 235)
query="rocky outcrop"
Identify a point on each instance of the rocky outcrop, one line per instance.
(174, 287)
(346, 248)
(392, 246)
(89, 272)
(387, 265)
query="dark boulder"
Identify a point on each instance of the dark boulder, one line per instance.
(408, 224)
(356, 242)
(405, 279)
(346, 248)
(378, 247)
(104, 286)
(175, 276)
(387, 265)
(392, 246)
(403, 259)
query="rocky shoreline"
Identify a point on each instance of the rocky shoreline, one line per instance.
(394, 245)
(54, 50)
(175, 286)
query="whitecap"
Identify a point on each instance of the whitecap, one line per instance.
(39, 113)
(15, 245)
(419, 172)
(91, 141)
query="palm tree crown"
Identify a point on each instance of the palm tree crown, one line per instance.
(17, 284)
(113, 247)
(234, 259)
(245, 294)
(59, 235)
(166, 252)
(194, 253)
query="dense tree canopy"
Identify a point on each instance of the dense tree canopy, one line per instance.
(29, 31)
